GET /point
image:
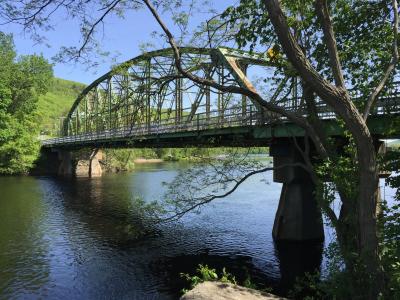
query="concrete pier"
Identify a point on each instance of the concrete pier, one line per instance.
(65, 163)
(83, 163)
(298, 217)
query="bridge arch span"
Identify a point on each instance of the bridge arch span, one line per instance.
(147, 93)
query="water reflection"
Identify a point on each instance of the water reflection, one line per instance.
(296, 259)
(81, 238)
(24, 244)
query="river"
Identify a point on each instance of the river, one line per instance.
(74, 238)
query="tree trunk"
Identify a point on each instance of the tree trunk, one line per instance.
(337, 97)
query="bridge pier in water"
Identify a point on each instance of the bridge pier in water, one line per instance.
(298, 217)
(69, 163)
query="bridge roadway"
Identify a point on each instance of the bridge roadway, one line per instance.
(233, 130)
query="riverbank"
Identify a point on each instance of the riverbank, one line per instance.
(148, 160)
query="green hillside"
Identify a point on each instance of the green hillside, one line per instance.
(56, 103)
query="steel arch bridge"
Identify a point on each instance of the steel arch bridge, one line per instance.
(145, 102)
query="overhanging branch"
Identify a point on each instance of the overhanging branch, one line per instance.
(205, 200)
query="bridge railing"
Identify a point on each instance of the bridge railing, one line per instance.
(232, 117)
(200, 121)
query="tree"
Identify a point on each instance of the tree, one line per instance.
(22, 80)
(332, 47)
(365, 202)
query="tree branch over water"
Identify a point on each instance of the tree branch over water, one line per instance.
(216, 179)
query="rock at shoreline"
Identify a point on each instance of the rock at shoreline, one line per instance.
(225, 291)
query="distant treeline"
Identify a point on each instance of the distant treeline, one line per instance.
(123, 159)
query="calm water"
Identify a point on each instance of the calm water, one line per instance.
(74, 239)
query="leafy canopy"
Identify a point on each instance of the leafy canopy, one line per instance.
(22, 80)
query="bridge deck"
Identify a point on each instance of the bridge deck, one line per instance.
(232, 131)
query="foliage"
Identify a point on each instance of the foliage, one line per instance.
(308, 287)
(364, 38)
(390, 228)
(363, 35)
(339, 281)
(22, 80)
(205, 273)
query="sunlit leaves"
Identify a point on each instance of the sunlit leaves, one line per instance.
(362, 29)
(22, 80)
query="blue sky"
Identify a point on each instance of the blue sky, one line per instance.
(122, 37)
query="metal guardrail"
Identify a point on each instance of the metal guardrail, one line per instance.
(200, 121)
(232, 117)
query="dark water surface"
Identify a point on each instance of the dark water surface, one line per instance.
(75, 239)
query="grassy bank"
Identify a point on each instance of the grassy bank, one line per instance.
(56, 103)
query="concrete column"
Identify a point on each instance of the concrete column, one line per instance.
(66, 163)
(298, 217)
(65, 168)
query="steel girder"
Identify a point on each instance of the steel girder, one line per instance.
(148, 91)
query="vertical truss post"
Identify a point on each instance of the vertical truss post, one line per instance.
(251, 116)
(208, 102)
(109, 96)
(159, 107)
(86, 114)
(148, 86)
(178, 100)
(77, 120)
(295, 93)
(126, 93)
(64, 126)
(207, 90)
(96, 109)
(244, 98)
(220, 98)
(61, 130)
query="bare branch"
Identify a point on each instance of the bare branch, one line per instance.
(234, 188)
(28, 20)
(395, 58)
(89, 34)
(323, 13)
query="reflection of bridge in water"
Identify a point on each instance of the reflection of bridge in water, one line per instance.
(145, 102)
